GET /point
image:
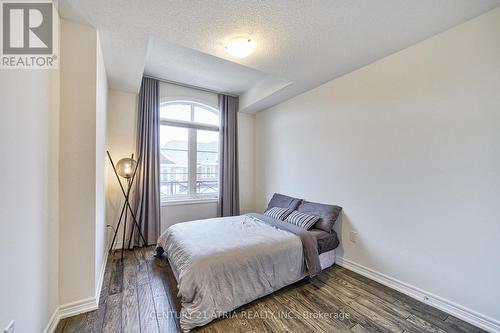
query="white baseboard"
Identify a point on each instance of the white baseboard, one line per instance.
(101, 276)
(53, 322)
(74, 308)
(454, 309)
(118, 245)
(70, 309)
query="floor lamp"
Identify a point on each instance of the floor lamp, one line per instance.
(126, 168)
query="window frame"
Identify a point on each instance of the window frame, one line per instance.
(192, 126)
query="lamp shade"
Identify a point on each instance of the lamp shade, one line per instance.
(240, 47)
(126, 167)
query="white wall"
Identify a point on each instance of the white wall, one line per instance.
(172, 213)
(81, 167)
(122, 123)
(183, 212)
(173, 92)
(410, 147)
(101, 136)
(77, 162)
(121, 134)
(175, 213)
(53, 183)
(53, 134)
(246, 161)
(28, 198)
(52, 263)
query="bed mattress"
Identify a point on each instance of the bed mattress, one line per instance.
(223, 263)
(327, 241)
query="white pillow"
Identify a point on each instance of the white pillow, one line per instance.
(278, 213)
(302, 220)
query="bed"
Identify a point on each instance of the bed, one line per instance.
(223, 263)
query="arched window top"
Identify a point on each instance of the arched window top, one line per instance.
(189, 113)
(189, 150)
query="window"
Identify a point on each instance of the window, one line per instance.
(189, 151)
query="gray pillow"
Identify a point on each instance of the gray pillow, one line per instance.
(284, 201)
(328, 214)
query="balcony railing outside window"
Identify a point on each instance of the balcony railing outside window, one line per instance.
(189, 153)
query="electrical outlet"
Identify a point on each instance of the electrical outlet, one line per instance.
(353, 236)
(10, 328)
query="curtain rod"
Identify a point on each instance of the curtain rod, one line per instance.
(189, 86)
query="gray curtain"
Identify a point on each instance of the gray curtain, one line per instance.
(147, 183)
(229, 202)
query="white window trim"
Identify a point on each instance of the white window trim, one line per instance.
(192, 126)
(189, 124)
(189, 201)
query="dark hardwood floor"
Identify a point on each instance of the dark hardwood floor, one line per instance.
(139, 295)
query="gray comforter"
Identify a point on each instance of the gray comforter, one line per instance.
(309, 241)
(223, 263)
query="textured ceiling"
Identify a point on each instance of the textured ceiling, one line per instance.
(184, 65)
(300, 44)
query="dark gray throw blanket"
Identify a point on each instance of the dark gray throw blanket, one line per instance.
(309, 241)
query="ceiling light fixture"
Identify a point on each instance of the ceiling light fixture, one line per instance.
(240, 47)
